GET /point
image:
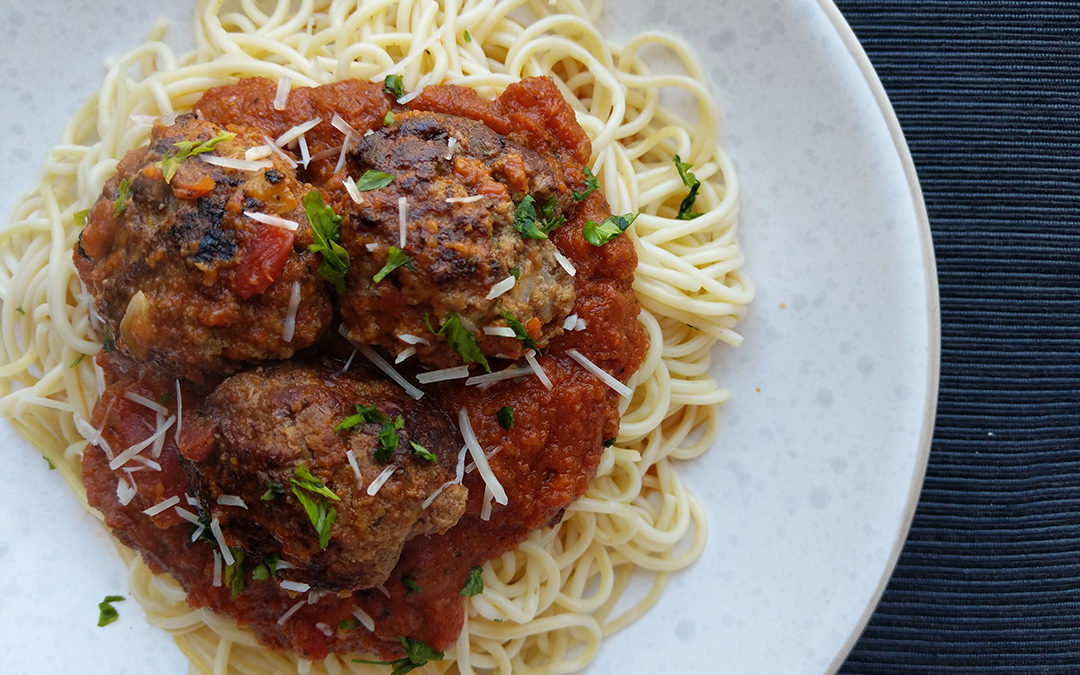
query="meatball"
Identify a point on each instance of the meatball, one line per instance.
(277, 438)
(458, 186)
(180, 276)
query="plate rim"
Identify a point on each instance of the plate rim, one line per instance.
(933, 309)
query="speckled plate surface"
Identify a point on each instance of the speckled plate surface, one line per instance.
(817, 469)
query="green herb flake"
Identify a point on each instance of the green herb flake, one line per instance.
(80, 216)
(691, 181)
(373, 180)
(165, 398)
(462, 341)
(609, 442)
(186, 149)
(320, 515)
(364, 415)
(519, 329)
(106, 612)
(267, 568)
(515, 272)
(416, 654)
(468, 38)
(52, 467)
(107, 343)
(591, 185)
(348, 624)
(411, 586)
(388, 119)
(395, 259)
(234, 573)
(422, 452)
(601, 233)
(525, 219)
(505, 417)
(79, 247)
(474, 584)
(394, 86)
(326, 230)
(122, 194)
(20, 310)
(388, 439)
(273, 490)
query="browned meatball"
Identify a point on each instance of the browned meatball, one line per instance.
(181, 277)
(275, 431)
(458, 250)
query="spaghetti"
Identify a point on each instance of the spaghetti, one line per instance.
(548, 603)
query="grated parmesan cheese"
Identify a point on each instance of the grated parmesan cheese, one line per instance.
(381, 363)
(450, 145)
(372, 247)
(348, 362)
(455, 373)
(365, 620)
(502, 287)
(580, 325)
(530, 357)
(570, 322)
(381, 479)
(500, 331)
(186, 515)
(231, 500)
(485, 510)
(257, 152)
(410, 339)
(404, 354)
(564, 262)
(346, 129)
(464, 200)
(305, 155)
(351, 456)
(325, 629)
(215, 529)
(296, 132)
(125, 492)
(179, 413)
(145, 402)
(217, 569)
(274, 148)
(487, 379)
(350, 186)
(238, 164)
(596, 370)
(276, 221)
(296, 586)
(147, 463)
(289, 612)
(282, 96)
(126, 455)
(402, 209)
(290, 314)
(478, 457)
(162, 505)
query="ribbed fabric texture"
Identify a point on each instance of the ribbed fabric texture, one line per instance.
(988, 95)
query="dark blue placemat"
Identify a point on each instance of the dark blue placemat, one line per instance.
(988, 94)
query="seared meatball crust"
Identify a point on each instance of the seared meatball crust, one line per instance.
(269, 426)
(181, 277)
(458, 250)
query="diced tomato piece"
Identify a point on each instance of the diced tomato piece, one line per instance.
(262, 256)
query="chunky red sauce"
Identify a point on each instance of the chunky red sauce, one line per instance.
(544, 461)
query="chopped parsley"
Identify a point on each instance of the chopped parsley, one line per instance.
(528, 225)
(326, 229)
(474, 584)
(348, 624)
(601, 233)
(505, 417)
(273, 490)
(388, 439)
(108, 343)
(373, 180)
(395, 259)
(20, 310)
(411, 586)
(106, 612)
(320, 515)
(691, 181)
(185, 149)
(462, 341)
(515, 272)
(416, 654)
(519, 329)
(80, 216)
(77, 361)
(422, 452)
(394, 86)
(52, 467)
(79, 247)
(388, 119)
(591, 185)
(267, 568)
(609, 442)
(122, 194)
(234, 573)
(468, 38)
(364, 414)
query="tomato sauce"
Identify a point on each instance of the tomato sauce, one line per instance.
(544, 461)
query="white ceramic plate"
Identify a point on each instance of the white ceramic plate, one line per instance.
(817, 470)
